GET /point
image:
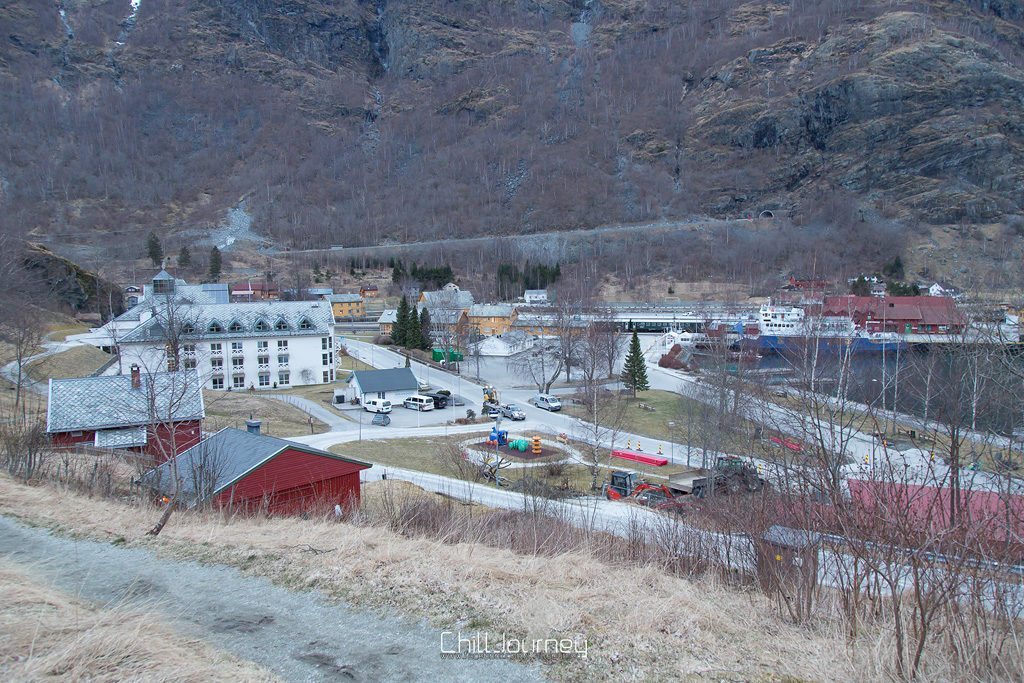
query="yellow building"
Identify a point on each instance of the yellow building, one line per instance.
(491, 319)
(347, 306)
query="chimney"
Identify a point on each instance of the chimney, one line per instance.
(136, 376)
(253, 426)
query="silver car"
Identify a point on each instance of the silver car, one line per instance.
(512, 412)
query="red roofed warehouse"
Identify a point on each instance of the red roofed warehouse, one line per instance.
(158, 413)
(901, 314)
(246, 470)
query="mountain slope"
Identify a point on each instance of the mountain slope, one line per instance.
(356, 122)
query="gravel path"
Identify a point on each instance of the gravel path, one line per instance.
(336, 422)
(299, 636)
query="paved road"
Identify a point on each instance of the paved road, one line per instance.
(544, 239)
(10, 370)
(299, 636)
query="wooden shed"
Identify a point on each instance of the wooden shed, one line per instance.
(787, 559)
(249, 471)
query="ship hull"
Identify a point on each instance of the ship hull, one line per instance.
(775, 344)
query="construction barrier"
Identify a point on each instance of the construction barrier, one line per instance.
(640, 457)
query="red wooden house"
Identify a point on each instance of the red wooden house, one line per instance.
(160, 414)
(244, 470)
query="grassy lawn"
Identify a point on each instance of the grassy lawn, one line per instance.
(421, 453)
(347, 364)
(80, 361)
(59, 332)
(320, 393)
(663, 407)
(424, 454)
(233, 408)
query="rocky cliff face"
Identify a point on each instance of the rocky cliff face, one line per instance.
(358, 121)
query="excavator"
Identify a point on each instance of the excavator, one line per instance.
(491, 397)
(629, 486)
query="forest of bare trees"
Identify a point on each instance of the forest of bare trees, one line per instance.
(495, 140)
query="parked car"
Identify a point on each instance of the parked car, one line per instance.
(547, 402)
(440, 400)
(419, 402)
(377, 405)
(512, 412)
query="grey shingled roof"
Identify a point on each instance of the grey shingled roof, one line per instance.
(222, 460)
(109, 401)
(344, 298)
(447, 299)
(490, 310)
(208, 293)
(394, 379)
(247, 315)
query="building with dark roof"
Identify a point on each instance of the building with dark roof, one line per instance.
(395, 384)
(245, 470)
(159, 414)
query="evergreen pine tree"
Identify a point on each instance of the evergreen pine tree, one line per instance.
(153, 249)
(184, 258)
(634, 372)
(398, 330)
(426, 343)
(215, 265)
(413, 339)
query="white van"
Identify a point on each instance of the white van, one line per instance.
(419, 402)
(377, 405)
(547, 402)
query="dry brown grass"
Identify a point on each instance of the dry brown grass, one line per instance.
(641, 623)
(46, 634)
(233, 408)
(79, 361)
(33, 404)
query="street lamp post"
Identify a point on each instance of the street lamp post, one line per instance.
(672, 437)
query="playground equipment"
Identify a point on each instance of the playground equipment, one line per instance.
(498, 437)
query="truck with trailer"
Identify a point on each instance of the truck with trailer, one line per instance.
(729, 475)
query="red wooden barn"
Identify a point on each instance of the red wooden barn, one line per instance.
(158, 413)
(250, 471)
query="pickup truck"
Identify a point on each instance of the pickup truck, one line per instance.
(512, 412)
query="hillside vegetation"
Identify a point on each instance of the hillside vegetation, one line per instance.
(356, 123)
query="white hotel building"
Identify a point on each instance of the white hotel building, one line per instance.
(260, 345)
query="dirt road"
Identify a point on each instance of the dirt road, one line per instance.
(298, 636)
